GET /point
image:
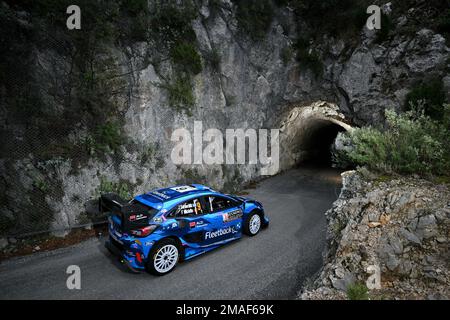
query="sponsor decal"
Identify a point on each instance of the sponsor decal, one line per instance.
(192, 224)
(160, 195)
(183, 188)
(233, 215)
(136, 217)
(220, 232)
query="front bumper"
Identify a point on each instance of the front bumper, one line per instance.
(125, 259)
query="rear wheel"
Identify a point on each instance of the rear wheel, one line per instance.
(163, 257)
(252, 224)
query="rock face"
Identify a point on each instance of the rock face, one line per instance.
(400, 226)
(253, 88)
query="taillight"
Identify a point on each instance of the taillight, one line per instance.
(138, 257)
(145, 231)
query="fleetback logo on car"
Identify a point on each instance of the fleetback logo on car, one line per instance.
(220, 232)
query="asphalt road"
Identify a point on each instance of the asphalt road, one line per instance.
(272, 265)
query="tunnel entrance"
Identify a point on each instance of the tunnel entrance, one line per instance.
(318, 142)
(308, 132)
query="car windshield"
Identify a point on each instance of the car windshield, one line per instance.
(239, 199)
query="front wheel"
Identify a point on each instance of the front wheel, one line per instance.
(253, 224)
(163, 257)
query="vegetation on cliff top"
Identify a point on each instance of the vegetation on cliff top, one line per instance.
(410, 143)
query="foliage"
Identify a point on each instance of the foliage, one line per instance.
(122, 188)
(431, 94)
(214, 59)
(171, 22)
(180, 94)
(333, 17)
(41, 184)
(254, 17)
(189, 176)
(411, 143)
(307, 57)
(357, 291)
(107, 138)
(185, 55)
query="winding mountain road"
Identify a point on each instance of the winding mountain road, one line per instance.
(272, 265)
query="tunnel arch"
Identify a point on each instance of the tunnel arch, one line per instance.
(307, 132)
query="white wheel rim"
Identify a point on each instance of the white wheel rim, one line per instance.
(166, 258)
(255, 224)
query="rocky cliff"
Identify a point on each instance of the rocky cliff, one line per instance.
(81, 115)
(395, 226)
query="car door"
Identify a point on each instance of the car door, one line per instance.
(190, 217)
(223, 217)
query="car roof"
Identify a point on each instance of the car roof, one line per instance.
(166, 197)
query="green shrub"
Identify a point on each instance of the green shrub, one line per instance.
(334, 17)
(431, 94)
(311, 61)
(306, 57)
(171, 22)
(186, 56)
(254, 17)
(180, 94)
(122, 188)
(108, 137)
(41, 184)
(357, 291)
(411, 143)
(214, 59)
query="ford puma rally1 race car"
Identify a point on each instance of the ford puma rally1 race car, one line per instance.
(157, 229)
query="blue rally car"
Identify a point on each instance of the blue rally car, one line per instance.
(157, 229)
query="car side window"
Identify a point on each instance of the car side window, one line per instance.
(191, 207)
(216, 203)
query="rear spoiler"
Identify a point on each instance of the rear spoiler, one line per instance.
(132, 215)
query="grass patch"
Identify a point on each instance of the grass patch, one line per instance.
(357, 291)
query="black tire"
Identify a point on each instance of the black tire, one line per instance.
(247, 228)
(150, 264)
